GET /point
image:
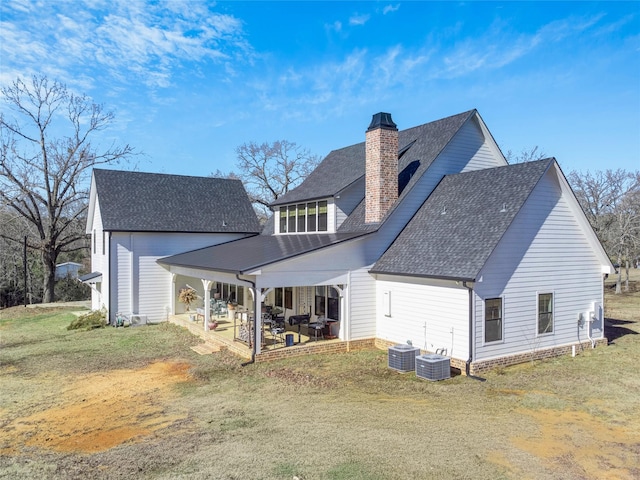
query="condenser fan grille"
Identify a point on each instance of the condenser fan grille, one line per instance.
(403, 358)
(433, 367)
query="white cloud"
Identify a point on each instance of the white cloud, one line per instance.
(364, 76)
(560, 29)
(391, 8)
(128, 40)
(613, 27)
(335, 26)
(499, 47)
(24, 6)
(360, 78)
(359, 19)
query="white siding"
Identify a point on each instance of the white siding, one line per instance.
(327, 266)
(99, 262)
(362, 308)
(142, 285)
(121, 273)
(431, 316)
(544, 251)
(471, 143)
(153, 288)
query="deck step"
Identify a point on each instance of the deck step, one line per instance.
(205, 348)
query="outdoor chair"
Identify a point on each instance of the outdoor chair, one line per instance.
(267, 319)
(218, 308)
(317, 328)
(279, 321)
(277, 333)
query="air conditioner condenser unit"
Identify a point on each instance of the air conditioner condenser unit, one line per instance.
(403, 358)
(433, 367)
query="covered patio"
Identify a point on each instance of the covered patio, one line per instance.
(293, 340)
(266, 292)
(289, 316)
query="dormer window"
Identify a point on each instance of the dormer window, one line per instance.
(306, 217)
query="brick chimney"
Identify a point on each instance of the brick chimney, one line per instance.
(381, 175)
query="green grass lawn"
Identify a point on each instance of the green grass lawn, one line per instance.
(139, 403)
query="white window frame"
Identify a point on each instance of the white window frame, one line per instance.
(386, 303)
(553, 308)
(284, 209)
(484, 321)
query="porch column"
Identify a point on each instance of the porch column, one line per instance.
(345, 305)
(207, 303)
(343, 311)
(172, 294)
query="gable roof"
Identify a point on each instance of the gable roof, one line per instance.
(248, 254)
(155, 202)
(460, 224)
(343, 167)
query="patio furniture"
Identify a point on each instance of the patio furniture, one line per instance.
(277, 333)
(219, 308)
(316, 328)
(243, 327)
(331, 329)
(299, 320)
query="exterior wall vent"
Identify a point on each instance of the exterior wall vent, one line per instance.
(433, 367)
(403, 358)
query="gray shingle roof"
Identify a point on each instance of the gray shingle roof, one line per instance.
(90, 276)
(247, 254)
(344, 166)
(457, 243)
(154, 202)
(337, 171)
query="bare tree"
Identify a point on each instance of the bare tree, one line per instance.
(14, 288)
(46, 158)
(626, 231)
(611, 202)
(220, 174)
(269, 170)
(525, 155)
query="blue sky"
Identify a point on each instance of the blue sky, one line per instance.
(189, 81)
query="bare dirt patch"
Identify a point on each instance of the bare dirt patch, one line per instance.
(579, 445)
(99, 411)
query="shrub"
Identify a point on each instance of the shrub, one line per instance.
(92, 319)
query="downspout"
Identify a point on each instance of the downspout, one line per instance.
(255, 322)
(471, 330)
(467, 367)
(109, 260)
(132, 258)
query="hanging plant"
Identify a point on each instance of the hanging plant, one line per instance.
(187, 296)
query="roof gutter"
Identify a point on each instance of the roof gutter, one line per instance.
(255, 322)
(420, 275)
